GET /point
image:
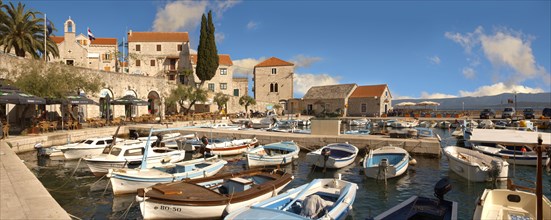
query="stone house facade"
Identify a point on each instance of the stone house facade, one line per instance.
(330, 98)
(99, 54)
(222, 81)
(370, 100)
(159, 54)
(273, 81)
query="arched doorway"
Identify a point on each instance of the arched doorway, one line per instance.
(154, 103)
(103, 104)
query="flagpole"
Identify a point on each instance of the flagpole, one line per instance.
(88, 49)
(45, 35)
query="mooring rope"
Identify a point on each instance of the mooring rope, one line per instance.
(69, 178)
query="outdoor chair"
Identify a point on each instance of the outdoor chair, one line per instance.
(44, 126)
(74, 125)
(5, 131)
(53, 125)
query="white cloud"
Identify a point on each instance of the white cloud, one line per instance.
(219, 6)
(435, 60)
(469, 73)
(505, 49)
(179, 15)
(426, 95)
(252, 25)
(192, 51)
(303, 81)
(219, 37)
(246, 66)
(499, 88)
(304, 61)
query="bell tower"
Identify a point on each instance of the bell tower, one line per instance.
(70, 28)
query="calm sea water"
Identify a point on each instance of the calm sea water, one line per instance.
(87, 197)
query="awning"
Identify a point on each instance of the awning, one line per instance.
(19, 97)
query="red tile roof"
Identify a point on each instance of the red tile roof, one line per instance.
(273, 62)
(223, 59)
(158, 37)
(98, 41)
(105, 41)
(57, 40)
(369, 91)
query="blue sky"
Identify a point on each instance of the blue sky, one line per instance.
(421, 49)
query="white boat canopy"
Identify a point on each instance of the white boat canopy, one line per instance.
(506, 136)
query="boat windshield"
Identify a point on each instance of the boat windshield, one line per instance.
(88, 141)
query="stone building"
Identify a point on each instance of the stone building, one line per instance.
(99, 54)
(273, 81)
(370, 100)
(159, 54)
(222, 81)
(331, 98)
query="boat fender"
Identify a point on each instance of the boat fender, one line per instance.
(412, 161)
(165, 160)
(441, 188)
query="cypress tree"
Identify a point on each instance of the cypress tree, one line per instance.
(207, 54)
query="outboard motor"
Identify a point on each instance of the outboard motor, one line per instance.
(158, 141)
(441, 188)
(325, 152)
(41, 150)
(134, 135)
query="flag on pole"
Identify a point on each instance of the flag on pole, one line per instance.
(49, 27)
(90, 35)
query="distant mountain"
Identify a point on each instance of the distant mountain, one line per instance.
(497, 102)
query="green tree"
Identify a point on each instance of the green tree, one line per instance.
(278, 107)
(207, 54)
(247, 101)
(23, 31)
(221, 100)
(185, 76)
(183, 94)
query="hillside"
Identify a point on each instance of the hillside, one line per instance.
(536, 101)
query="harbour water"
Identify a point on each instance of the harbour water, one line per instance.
(87, 197)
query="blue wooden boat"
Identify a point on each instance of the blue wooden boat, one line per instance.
(320, 199)
(418, 207)
(386, 162)
(333, 156)
(273, 154)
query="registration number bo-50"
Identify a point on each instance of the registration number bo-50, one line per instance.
(169, 208)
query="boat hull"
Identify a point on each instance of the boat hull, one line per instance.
(333, 162)
(131, 180)
(100, 166)
(500, 204)
(155, 209)
(398, 162)
(74, 153)
(518, 159)
(475, 166)
(285, 153)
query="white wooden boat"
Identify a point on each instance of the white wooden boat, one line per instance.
(224, 126)
(333, 156)
(79, 149)
(127, 180)
(509, 204)
(273, 154)
(386, 162)
(319, 199)
(510, 145)
(129, 154)
(358, 132)
(475, 166)
(359, 122)
(210, 197)
(418, 207)
(231, 147)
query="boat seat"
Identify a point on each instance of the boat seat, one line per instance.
(237, 184)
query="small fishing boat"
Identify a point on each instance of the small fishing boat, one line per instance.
(475, 166)
(77, 150)
(129, 154)
(333, 156)
(231, 147)
(359, 122)
(210, 197)
(358, 132)
(418, 207)
(386, 162)
(509, 204)
(512, 154)
(224, 126)
(273, 154)
(126, 180)
(320, 199)
(424, 132)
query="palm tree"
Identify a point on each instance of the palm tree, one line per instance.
(246, 101)
(23, 31)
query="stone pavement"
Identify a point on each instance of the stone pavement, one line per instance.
(22, 195)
